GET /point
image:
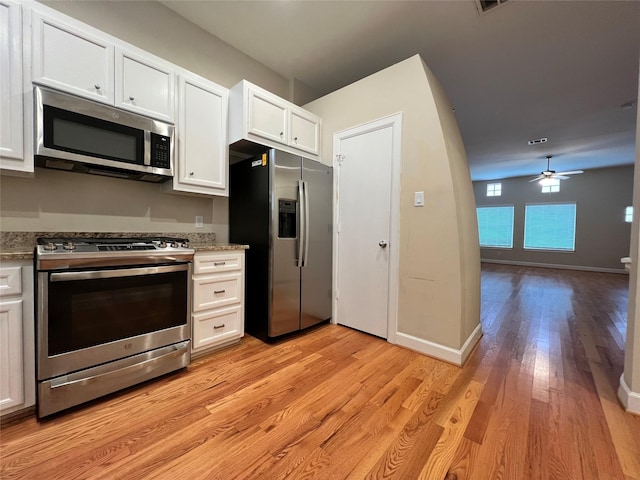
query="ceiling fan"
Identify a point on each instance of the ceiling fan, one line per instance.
(548, 174)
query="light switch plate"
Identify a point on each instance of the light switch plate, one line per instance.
(418, 199)
(199, 221)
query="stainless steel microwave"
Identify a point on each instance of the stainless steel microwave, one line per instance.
(80, 135)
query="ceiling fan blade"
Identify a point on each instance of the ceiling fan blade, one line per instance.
(539, 177)
(572, 172)
(561, 177)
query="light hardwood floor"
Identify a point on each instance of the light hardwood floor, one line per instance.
(536, 400)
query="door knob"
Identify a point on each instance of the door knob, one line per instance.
(382, 243)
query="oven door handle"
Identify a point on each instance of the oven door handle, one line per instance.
(125, 272)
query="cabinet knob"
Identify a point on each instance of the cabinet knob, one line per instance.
(281, 134)
(131, 99)
(190, 173)
(97, 85)
(295, 138)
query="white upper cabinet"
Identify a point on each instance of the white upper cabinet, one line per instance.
(267, 116)
(80, 60)
(144, 86)
(11, 131)
(202, 165)
(262, 117)
(304, 132)
(72, 58)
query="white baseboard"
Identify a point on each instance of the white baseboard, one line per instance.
(441, 352)
(558, 266)
(630, 400)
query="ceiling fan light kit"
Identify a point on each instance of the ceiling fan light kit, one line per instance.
(548, 175)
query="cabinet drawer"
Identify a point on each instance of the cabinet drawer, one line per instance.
(217, 262)
(216, 291)
(216, 326)
(10, 281)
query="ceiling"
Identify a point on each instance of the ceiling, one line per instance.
(520, 71)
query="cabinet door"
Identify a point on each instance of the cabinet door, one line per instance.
(216, 291)
(267, 116)
(144, 86)
(214, 327)
(202, 137)
(72, 59)
(11, 139)
(305, 131)
(217, 262)
(11, 368)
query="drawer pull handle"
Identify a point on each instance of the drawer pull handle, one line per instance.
(217, 264)
(215, 327)
(219, 291)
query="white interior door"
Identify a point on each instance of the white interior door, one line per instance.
(367, 170)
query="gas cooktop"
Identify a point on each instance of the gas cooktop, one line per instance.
(136, 250)
(77, 245)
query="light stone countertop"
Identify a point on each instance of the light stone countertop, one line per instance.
(216, 247)
(20, 245)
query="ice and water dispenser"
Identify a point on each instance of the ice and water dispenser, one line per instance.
(287, 218)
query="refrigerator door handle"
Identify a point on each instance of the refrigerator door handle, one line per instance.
(300, 234)
(307, 222)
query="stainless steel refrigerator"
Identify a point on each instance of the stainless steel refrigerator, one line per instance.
(280, 204)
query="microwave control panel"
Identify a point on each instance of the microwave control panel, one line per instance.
(160, 151)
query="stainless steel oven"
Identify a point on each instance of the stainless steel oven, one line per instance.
(110, 313)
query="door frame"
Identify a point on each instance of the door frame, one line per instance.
(395, 122)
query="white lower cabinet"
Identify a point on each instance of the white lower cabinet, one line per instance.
(17, 372)
(218, 300)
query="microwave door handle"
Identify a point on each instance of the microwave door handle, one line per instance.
(147, 148)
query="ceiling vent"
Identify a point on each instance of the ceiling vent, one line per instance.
(538, 141)
(486, 5)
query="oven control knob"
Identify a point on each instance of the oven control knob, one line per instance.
(50, 246)
(68, 246)
(162, 244)
(175, 244)
(184, 244)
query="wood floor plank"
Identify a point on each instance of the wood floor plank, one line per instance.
(443, 453)
(535, 400)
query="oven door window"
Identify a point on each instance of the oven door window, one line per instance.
(85, 313)
(76, 133)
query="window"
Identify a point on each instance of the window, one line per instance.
(550, 185)
(628, 214)
(495, 226)
(550, 226)
(494, 189)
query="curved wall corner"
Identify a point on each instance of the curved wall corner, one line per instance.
(439, 294)
(629, 391)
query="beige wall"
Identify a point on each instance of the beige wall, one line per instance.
(157, 29)
(632, 350)
(56, 201)
(62, 201)
(439, 282)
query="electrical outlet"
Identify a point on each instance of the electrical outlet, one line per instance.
(199, 221)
